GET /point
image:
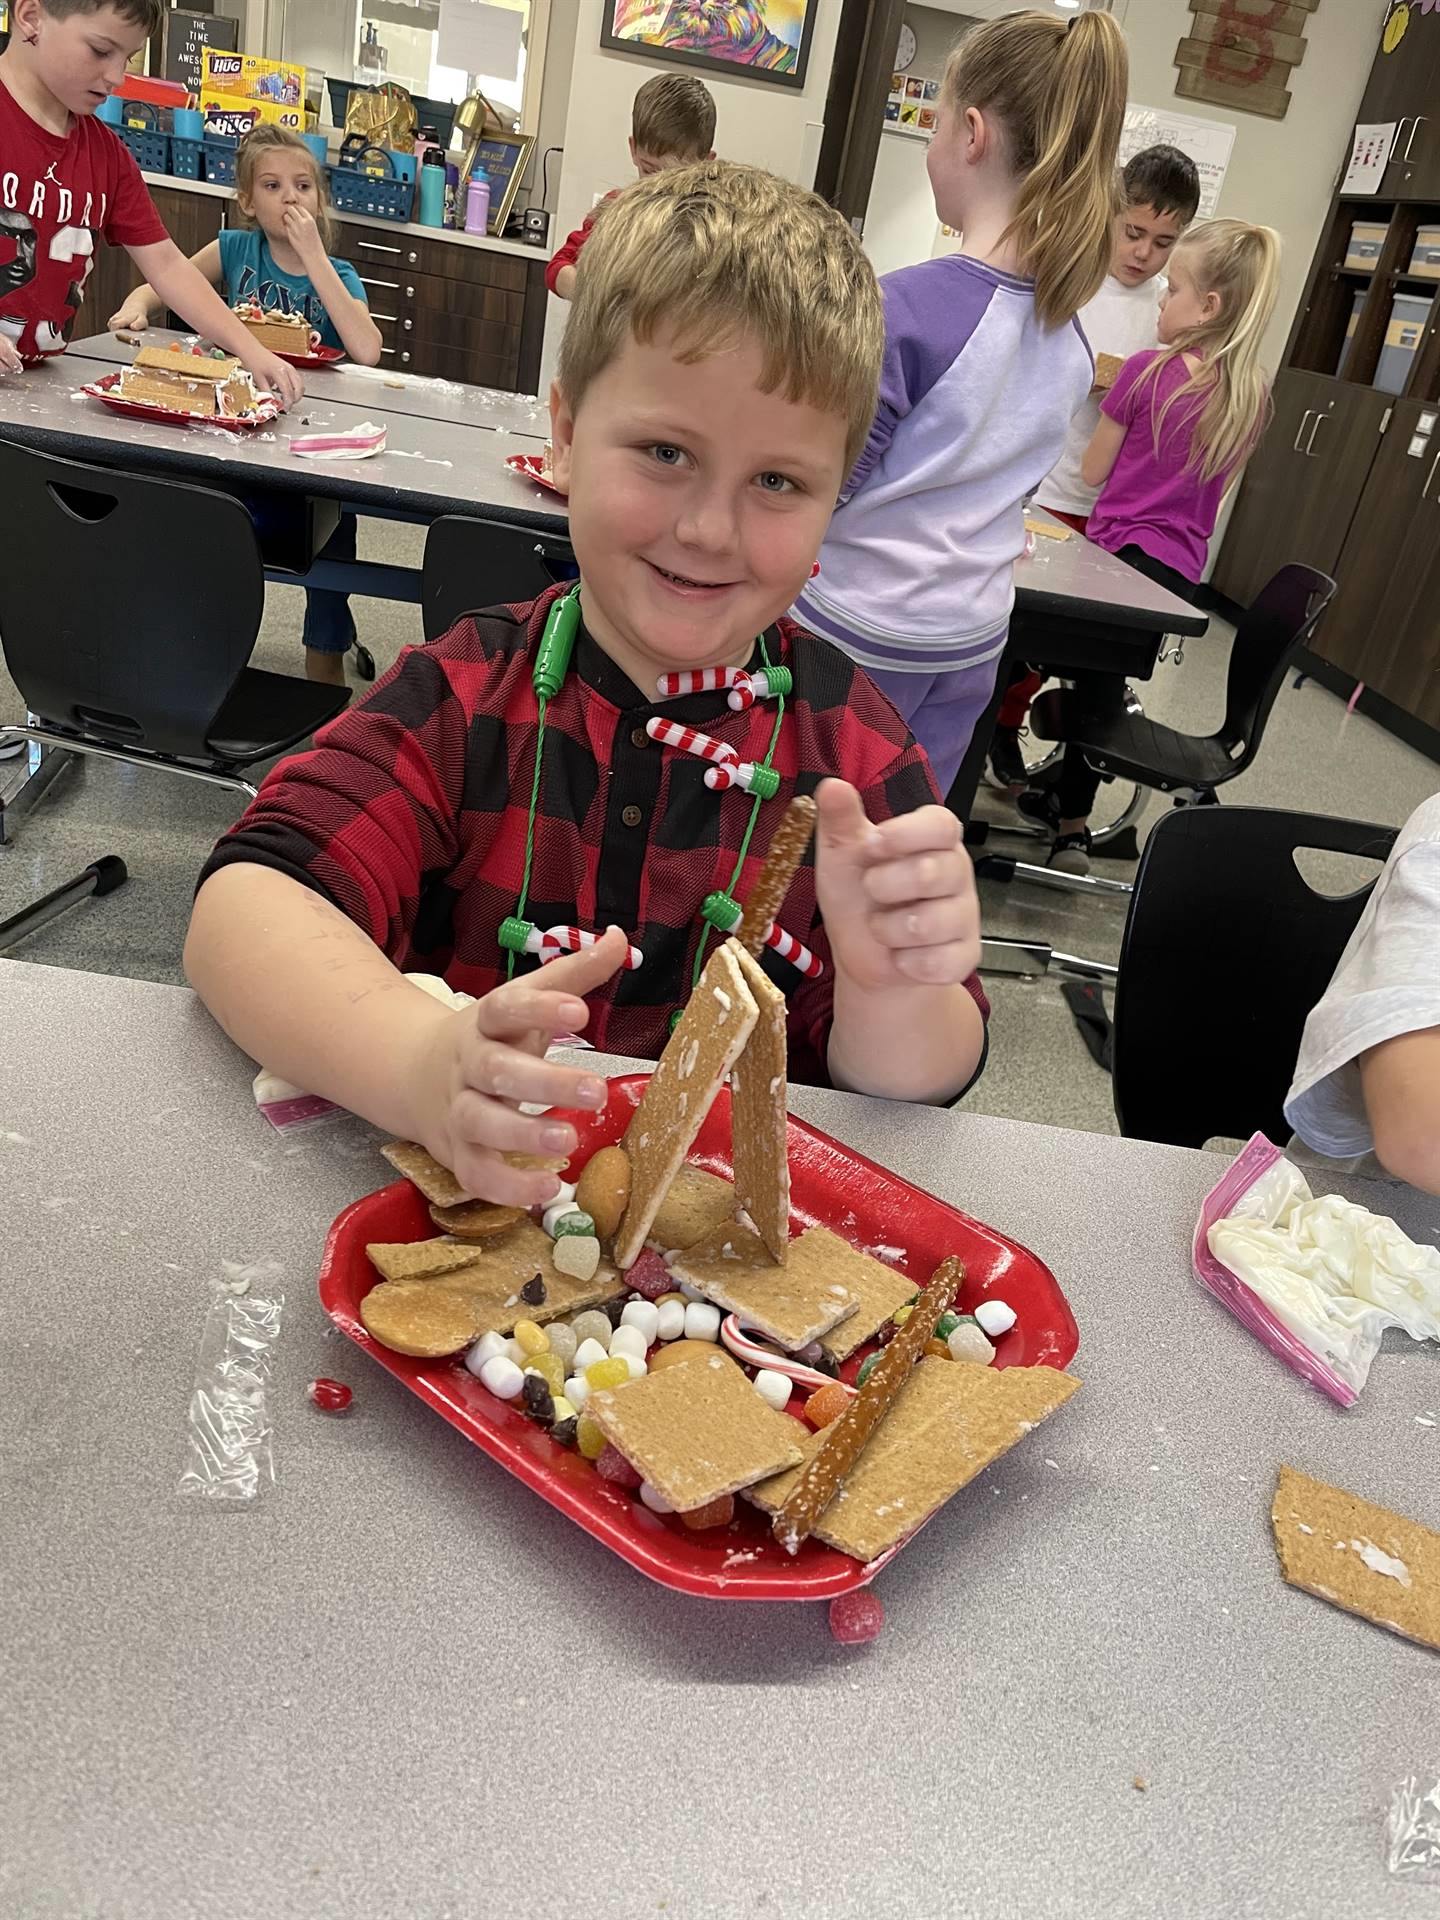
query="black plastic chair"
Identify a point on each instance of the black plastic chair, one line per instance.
(1128, 746)
(485, 563)
(129, 608)
(1227, 948)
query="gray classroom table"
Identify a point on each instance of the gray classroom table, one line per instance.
(398, 1684)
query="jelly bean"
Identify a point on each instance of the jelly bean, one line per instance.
(485, 1348)
(650, 1277)
(702, 1321)
(564, 1430)
(629, 1339)
(588, 1437)
(503, 1378)
(901, 1315)
(946, 1325)
(715, 1513)
(551, 1369)
(867, 1367)
(654, 1499)
(636, 1364)
(994, 1318)
(562, 1341)
(533, 1291)
(577, 1391)
(614, 1467)
(670, 1319)
(826, 1404)
(530, 1338)
(810, 1356)
(589, 1351)
(608, 1372)
(591, 1325)
(331, 1396)
(938, 1348)
(537, 1398)
(967, 1342)
(643, 1316)
(856, 1617)
(773, 1388)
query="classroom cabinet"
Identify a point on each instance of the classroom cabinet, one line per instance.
(1404, 89)
(1382, 626)
(192, 221)
(1303, 486)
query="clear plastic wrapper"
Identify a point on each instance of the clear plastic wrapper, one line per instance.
(227, 1427)
(1413, 1828)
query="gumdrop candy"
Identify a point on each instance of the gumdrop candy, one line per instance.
(613, 1371)
(551, 1369)
(591, 1325)
(650, 1277)
(867, 1367)
(562, 1341)
(531, 1339)
(826, 1404)
(857, 1616)
(614, 1467)
(715, 1513)
(588, 1437)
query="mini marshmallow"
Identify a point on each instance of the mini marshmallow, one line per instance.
(515, 1353)
(702, 1321)
(670, 1319)
(587, 1353)
(635, 1363)
(503, 1378)
(629, 1340)
(577, 1391)
(485, 1348)
(773, 1388)
(556, 1212)
(644, 1316)
(654, 1499)
(994, 1317)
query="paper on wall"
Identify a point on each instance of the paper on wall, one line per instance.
(1208, 143)
(480, 38)
(1369, 157)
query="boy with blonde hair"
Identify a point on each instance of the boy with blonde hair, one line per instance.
(716, 382)
(672, 124)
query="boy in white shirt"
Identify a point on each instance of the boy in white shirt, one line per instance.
(1162, 194)
(1368, 1076)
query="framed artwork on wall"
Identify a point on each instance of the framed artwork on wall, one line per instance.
(749, 39)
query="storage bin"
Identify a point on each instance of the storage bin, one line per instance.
(140, 130)
(1426, 257)
(1367, 237)
(220, 153)
(1355, 307)
(185, 157)
(1409, 317)
(384, 193)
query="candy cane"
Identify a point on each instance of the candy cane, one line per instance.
(671, 734)
(756, 1355)
(701, 680)
(554, 941)
(744, 774)
(793, 950)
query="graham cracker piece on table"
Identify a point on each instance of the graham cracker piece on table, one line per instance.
(696, 1430)
(949, 1421)
(1358, 1556)
(757, 1115)
(718, 1019)
(696, 1204)
(792, 1305)
(877, 1289)
(439, 1185)
(418, 1259)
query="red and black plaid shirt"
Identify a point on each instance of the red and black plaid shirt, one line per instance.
(409, 814)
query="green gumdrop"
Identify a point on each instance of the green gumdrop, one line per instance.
(867, 1367)
(946, 1325)
(578, 1222)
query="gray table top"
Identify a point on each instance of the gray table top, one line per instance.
(398, 1683)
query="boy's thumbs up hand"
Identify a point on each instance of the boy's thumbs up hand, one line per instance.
(898, 900)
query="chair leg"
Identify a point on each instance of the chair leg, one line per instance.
(104, 876)
(1028, 958)
(999, 866)
(213, 776)
(1127, 817)
(30, 778)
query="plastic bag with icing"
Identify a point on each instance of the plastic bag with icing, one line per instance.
(1318, 1280)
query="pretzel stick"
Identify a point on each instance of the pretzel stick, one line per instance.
(787, 850)
(823, 1475)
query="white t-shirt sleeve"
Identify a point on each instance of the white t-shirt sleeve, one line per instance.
(1122, 321)
(1387, 983)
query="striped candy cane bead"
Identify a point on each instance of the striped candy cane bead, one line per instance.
(671, 734)
(795, 951)
(763, 781)
(554, 941)
(699, 680)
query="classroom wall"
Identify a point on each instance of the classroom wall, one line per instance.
(936, 32)
(775, 127)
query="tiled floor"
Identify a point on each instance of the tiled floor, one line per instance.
(1312, 758)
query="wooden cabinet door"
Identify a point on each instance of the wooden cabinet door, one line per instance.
(1404, 87)
(1301, 488)
(1383, 626)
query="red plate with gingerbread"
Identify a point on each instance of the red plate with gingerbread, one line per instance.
(319, 356)
(536, 467)
(266, 410)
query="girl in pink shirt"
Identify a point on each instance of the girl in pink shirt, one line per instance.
(1175, 430)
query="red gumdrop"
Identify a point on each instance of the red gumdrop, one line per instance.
(614, 1467)
(650, 1277)
(856, 1617)
(331, 1396)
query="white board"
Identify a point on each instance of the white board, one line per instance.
(1208, 143)
(479, 38)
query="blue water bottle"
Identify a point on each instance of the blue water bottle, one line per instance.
(432, 188)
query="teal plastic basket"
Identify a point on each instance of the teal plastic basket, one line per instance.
(185, 157)
(220, 155)
(387, 196)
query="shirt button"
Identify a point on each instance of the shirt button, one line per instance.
(632, 816)
(639, 737)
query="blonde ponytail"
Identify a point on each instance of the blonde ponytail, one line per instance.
(1058, 92)
(1240, 264)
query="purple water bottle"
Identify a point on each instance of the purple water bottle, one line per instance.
(477, 202)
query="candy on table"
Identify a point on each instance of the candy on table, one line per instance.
(530, 1338)
(715, 1513)
(563, 1216)
(649, 1277)
(330, 1396)
(747, 1348)
(967, 1342)
(591, 1325)
(550, 1368)
(867, 1367)
(857, 1616)
(564, 1409)
(702, 1321)
(485, 1348)
(637, 1365)
(614, 1467)
(654, 1499)
(590, 1350)
(533, 1291)
(677, 1353)
(826, 1404)
(614, 1311)
(578, 1255)
(562, 1341)
(502, 1377)
(577, 1391)
(994, 1317)
(629, 1339)
(670, 1320)
(588, 1437)
(673, 1294)
(773, 1388)
(612, 1371)
(537, 1399)
(644, 1317)
(946, 1325)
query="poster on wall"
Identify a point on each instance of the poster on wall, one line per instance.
(1208, 142)
(750, 39)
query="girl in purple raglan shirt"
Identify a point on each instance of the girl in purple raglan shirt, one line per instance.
(984, 365)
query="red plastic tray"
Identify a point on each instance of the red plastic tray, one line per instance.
(267, 410)
(829, 1186)
(530, 466)
(321, 356)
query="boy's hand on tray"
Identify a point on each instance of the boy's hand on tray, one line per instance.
(898, 900)
(277, 376)
(486, 1059)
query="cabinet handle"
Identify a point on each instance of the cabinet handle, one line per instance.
(1300, 435)
(1430, 477)
(407, 324)
(388, 318)
(405, 358)
(392, 286)
(409, 293)
(1399, 136)
(1320, 420)
(374, 246)
(1419, 122)
(412, 256)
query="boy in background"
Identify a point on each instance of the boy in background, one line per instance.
(672, 124)
(1162, 195)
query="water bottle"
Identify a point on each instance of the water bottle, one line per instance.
(477, 202)
(452, 196)
(432, 188)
